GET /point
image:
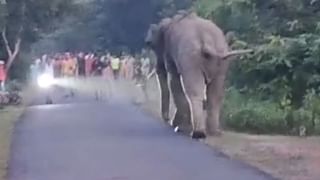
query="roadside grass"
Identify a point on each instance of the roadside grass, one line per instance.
(8, 116)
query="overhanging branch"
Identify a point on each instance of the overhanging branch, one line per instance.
(6, 43)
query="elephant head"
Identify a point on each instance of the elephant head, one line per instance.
(155, 35)
(155, 40)
(152, 37)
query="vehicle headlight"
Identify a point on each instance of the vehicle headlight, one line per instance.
(45, 81)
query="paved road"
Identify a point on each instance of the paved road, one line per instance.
(91, 140)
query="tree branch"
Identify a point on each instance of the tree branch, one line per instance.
(14, 54)
(6, 43)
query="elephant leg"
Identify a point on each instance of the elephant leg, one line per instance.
(194, 85)
(215, 94)
(165, 93)
(182, 119)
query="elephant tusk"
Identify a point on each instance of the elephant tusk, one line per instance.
(236, 53)
(151, 74)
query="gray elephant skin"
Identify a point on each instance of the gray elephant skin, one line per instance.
(193, 57)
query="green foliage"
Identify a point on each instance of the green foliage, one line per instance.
(283, 73)
(252, 115)
(285, 36)
(3, 13)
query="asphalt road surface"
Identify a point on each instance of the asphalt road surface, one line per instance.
(82, 139)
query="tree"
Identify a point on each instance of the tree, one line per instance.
(24, 21)
(114, 25)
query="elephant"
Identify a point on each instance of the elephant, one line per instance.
(193, 57)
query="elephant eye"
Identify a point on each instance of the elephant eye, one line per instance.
(207, 56)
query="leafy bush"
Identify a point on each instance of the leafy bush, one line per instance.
(300, 119)
(252, 115)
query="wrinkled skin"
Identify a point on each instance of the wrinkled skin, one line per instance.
(193, 54)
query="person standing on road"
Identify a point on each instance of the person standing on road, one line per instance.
(69, 66)
(108, 69)
(81, 65)
(49, 69)
(57, 66)
(89, 59)
(123, 65)
(99, 65)
(2, 75)
(115, 65)
(137, 71)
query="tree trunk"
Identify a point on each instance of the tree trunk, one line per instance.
(12, 54)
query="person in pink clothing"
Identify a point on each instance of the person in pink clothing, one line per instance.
(130, 67)
(89, 59)
(3, 75)
(123, 67)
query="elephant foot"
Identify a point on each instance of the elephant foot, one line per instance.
(177, 120)
(166, 118)
(216, 133)
(181, 120)
(174, 123)
(183, 129)
(198, 135)
(166, 121)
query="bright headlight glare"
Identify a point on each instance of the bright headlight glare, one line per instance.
(45, 81)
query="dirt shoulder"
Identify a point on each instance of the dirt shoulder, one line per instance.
(287, 158)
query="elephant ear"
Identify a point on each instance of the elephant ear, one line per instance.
(151, 34)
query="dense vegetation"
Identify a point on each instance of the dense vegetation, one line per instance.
(275, 90)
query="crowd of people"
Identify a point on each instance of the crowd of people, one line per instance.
(88, 64)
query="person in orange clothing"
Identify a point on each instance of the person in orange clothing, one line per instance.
(2, 75)
(69, 66)
(64, 66)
